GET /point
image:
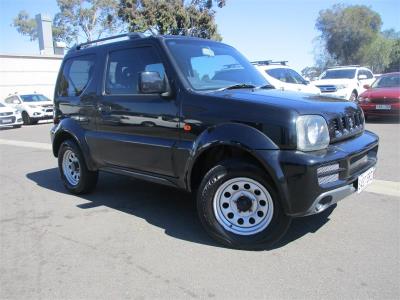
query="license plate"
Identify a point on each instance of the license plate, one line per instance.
(383, 106)
(365, 179)
(5, 121)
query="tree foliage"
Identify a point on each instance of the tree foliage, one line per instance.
(346, 30)
(77, 20)
(178, 17)
(352, 35)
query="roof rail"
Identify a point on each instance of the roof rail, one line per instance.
(269, 62)
(349, 66)
(130, 35)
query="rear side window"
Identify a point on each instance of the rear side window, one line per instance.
(124, 67)
(286, 75)
(76, 75)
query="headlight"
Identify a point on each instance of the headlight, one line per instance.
(341, 86)
(363, 99)
(32, 106)
(312, 133)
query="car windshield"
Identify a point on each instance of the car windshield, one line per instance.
(339, 74)
(286, 75)
(387, 81)
(34, 98)
(209, 65)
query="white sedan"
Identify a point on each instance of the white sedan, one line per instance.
(10, 117)
(285, 78)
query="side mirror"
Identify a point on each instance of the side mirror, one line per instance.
(362, 77)
(366, 86)
(151, 83)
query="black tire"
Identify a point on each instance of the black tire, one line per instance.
(215, 177)
(26, 118)
(353, 96)
(88, 179)
(17, 126)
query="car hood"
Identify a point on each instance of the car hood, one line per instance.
(299, 102)
(331, 81)
(392, 93)
(6, 109)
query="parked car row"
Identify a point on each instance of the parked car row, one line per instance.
(378, 95)
(26, 109)
(382, 98)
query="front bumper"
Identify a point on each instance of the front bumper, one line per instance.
(13, 120)
(296, 173)
(370, 109)
(341, 94)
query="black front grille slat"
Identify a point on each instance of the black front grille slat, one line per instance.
(346, 126)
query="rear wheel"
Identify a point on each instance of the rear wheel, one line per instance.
(239, 207)
(74, 173)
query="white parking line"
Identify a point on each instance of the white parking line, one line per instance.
(384, 187)
(390, 188)
(42, 146)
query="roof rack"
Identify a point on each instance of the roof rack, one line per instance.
(130, 35)
(269, 62)
(349, 66)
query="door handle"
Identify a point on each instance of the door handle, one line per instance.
(103, 108)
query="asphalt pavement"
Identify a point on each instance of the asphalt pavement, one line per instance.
(131, 239)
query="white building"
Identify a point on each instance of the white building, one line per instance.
(26, 74)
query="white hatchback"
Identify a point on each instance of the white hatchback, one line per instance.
(9, 117)
(33, 107)
(285, 78)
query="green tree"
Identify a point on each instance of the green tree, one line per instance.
(394, 65)
(377, 55)
(77, 20)
(347, 30)
(178, 17)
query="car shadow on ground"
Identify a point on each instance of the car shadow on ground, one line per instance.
(172, 210)
(383, 120)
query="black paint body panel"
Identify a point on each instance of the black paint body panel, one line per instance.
(143, 135)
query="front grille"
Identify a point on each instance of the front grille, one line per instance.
(9, 118)
(4, 114)
(328, 173)
(384, 101)
(49, 110)
(346, 126)
(327, 88)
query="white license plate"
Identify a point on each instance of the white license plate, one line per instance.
(365, 179)
(5, 121)
(383, 106)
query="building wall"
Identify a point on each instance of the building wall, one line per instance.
(28, 74)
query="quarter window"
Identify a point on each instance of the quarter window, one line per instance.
(75, 76)
(124, 67)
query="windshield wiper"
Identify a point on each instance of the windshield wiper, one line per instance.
(267, 86)
(238, 86)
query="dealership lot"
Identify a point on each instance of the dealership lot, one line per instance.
(132, 239)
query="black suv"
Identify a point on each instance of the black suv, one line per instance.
(196, 115)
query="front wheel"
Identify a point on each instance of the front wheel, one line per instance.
(239, 207)
(74, 173)
(353, 96)
(26, 118)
